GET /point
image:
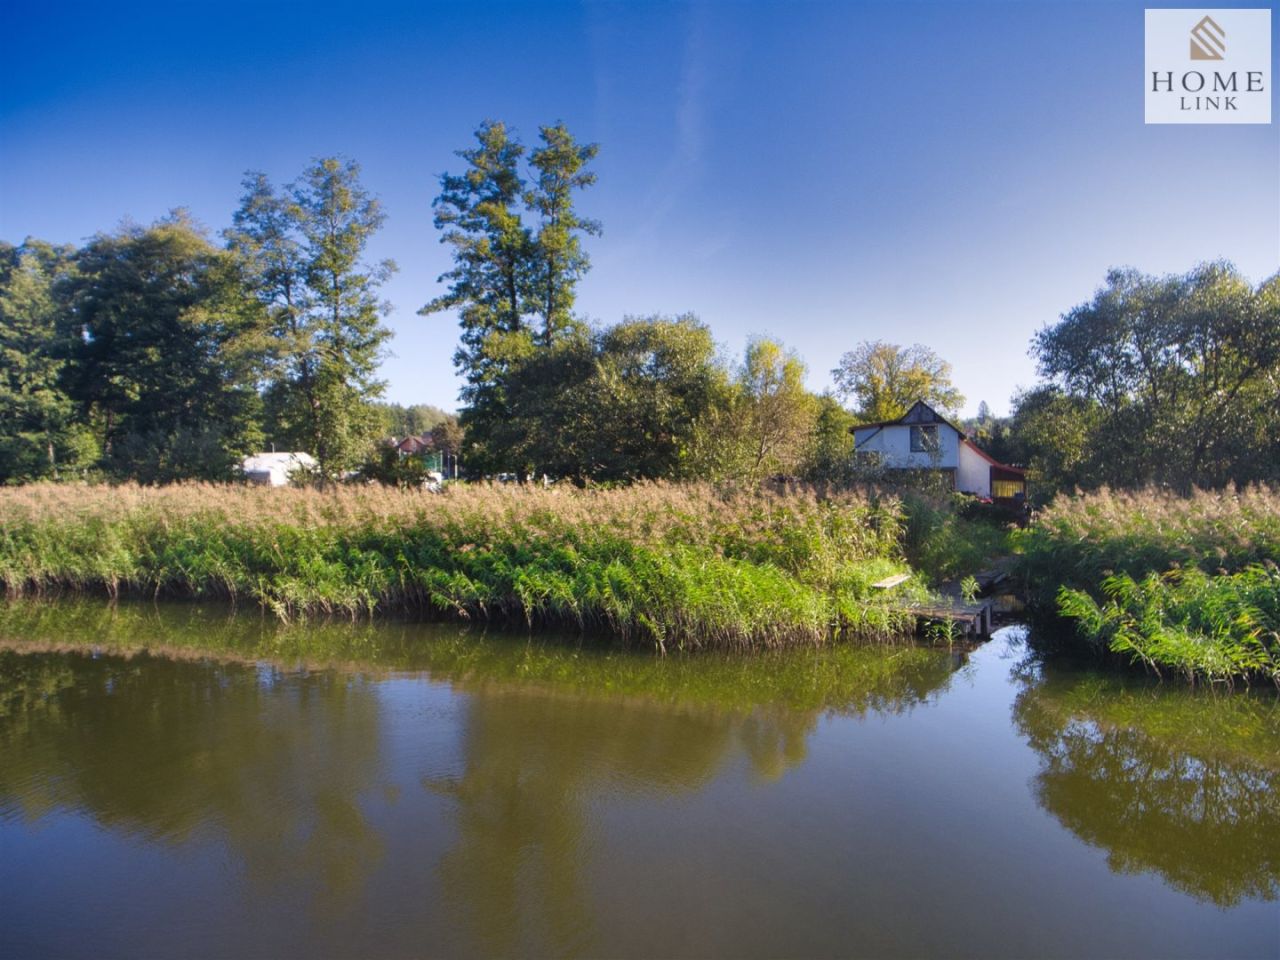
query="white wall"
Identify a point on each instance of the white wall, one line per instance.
(893, 443)
(974, 473)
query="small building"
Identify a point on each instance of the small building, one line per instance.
(274, 469)
(411, 446)
(923, 440)
(424, 448)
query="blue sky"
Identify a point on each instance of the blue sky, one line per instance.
(953, 174)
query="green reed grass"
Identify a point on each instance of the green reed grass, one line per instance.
(675, 566)
(1181, 584)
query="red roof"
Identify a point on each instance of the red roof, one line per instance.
(415, 444)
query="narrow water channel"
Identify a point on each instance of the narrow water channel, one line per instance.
(180, 780)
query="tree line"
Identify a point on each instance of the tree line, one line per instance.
(160, 353)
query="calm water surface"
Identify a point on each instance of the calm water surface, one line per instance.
(176, 781)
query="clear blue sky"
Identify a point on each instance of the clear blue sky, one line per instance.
(953, 174)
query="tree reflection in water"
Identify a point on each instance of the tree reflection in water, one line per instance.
(1179, 782)
(538, 759)
(271, 763)
(188, 724)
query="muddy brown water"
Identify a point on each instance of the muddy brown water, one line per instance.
(183, 781)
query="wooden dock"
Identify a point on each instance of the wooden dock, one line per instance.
(973, 619)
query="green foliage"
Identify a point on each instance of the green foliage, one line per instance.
(508, 275)
(447, 436)
(40, 437)
(1184, 583)
(670, 566)
(829, 457)
(1054, 433)
(558, 258)
(304, 249)
(621, 403)
(1162, 380)
(388, 465)
(766, 426)
(1215, 627)
(884, 380)
(399, 421)
(1079, 541)
(943, 543)
(164, 351)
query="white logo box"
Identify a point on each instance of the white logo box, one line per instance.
(1214, 70)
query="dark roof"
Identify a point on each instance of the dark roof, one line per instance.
(416, 444)
(906, 419)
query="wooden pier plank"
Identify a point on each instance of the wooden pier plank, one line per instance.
(976, 617)
(890, 582)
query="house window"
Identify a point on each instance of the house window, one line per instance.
(1007, 489)
(924, 439)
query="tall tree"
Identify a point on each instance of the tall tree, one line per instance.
(1182, 372)
(40, 435)
(558, 258)
(307, 246)
(479, 215)
(166, 351)
(265, 236)
(626, 402)
(1054, 433)
(829, 457)
(780, 411)
(512, 284)
(884, 380)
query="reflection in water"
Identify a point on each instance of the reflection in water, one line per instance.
(167, 751)
(418, 787)
(535, 762)
(1182, 783)
(211, 730)
(846, 679)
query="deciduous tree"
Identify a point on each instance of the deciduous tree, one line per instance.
(166, 351)
(884, 380)
(1182, 372)
(307, 245)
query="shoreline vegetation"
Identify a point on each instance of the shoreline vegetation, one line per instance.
(1181, 585)
(1185, 585)
(675, 566)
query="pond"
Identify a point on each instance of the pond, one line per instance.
(181, 779)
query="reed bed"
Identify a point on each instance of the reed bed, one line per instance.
(683, 566)
(1185, 584)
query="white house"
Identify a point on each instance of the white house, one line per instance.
(273, 469)
(922, 439)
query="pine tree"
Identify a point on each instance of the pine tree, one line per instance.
(558, 258)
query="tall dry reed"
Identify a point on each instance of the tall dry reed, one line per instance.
(684, 565)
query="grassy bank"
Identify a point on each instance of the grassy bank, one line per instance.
(1186, 585)
(676, 566)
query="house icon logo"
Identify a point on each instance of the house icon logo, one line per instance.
(1208, 40)
(1211, 85)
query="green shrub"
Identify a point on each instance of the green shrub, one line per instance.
(1186, 584)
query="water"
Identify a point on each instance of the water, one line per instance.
(175, 781)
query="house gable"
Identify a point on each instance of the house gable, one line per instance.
(920, 439)
(905, 444)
